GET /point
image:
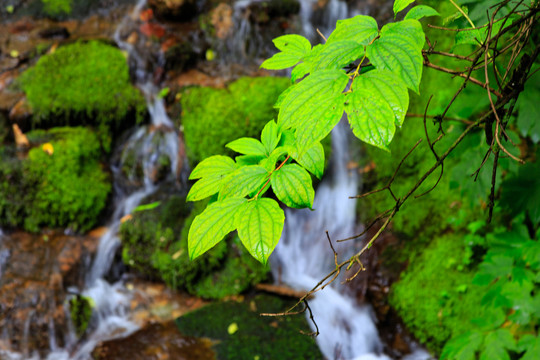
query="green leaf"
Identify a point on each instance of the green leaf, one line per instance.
(280, 61)
(247, 146)
(398, 54)
(302, 103)
(292, 186)
(270, 136)
(205, 187)
(360, 29)
(243, 181)
(410, 29)
(260, 223)
(147, 206)
(300, 71)
(293, 44)
(388, 87)
(400, 5)
(338, 54)
(312, 159)
(329, 112)
(209, 228)
(212, 166)
(495, 345)
(270, 162)
(421, 11)
(245, 160)
(293, 47)
(371, 118)
(463, 347)
(469, 37)
(495, 266)
(522, 192)
(532, 347)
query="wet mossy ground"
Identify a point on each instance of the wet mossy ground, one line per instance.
(83, 83)
(212, 117)
(61, 182)
(240, 332)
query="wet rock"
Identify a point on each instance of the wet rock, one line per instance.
(21, 112)
(155, 342)
(54, 32)
(174, 10)
(221, 19)
(37, 270)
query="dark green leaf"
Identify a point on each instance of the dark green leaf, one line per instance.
(247, 146)
(243, 181)
(531, 345)
(245, 160)
(260, 223)
(292, 186)
(463, 347)
(209, 228)
(383, 84)
(371, 118)
(421, 11)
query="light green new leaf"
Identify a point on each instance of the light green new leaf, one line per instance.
(270, 136)
(270, 162)
(205, 187)
(399, 55)
(293, 44)
(388, 87)
(292, 186)
(260, 223)
(209, 228)
(293, 47)
(360, 29)
(243, 181)
(300, 71)
(302, 103)
(280, 61)
(338, 54)
(319, 123)
(371, 118)
(400, 5)
(312, 159)
(247, 146)
(410, 29)
(214, 165)
(421, 11)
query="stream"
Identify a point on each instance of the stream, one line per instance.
(303, 256)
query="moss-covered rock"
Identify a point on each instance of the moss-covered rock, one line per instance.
(239, 332)
(82, 84)
(60, 184)
(435, 297)
(155, 244)
(213, 117)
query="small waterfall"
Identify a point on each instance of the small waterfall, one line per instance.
(303, 257)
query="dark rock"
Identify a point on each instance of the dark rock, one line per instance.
(174, 10)
(54, 32)
(155, 342)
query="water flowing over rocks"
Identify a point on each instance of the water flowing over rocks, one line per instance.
(35, 272)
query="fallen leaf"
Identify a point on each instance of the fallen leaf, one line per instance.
(232, 328)
(48, 148)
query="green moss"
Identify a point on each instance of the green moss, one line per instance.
(239, 271)
(256, 337)
(67, 188)
(56, 7)
(80, 310)
(434, 296)
(213, 117)
(82, 83)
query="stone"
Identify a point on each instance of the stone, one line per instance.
(174, 10)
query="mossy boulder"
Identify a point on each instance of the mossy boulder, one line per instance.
(434, 296)
(214, 117)
(239, 332)
(84, 83)
(155, 244)
(61, 183)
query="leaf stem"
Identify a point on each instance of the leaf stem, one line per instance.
(463, 13)
(269, 176)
